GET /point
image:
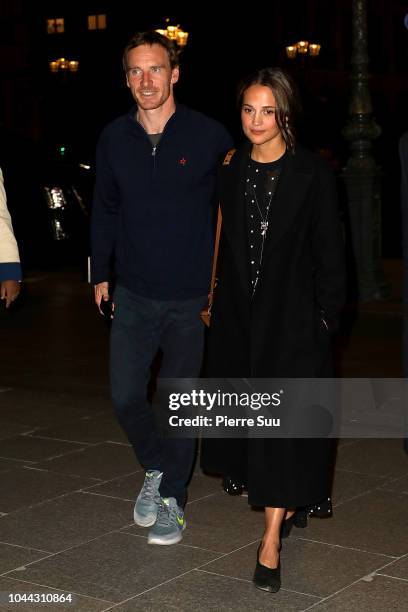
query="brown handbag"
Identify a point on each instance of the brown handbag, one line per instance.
(206, 312)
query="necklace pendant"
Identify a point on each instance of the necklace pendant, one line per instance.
(264, 227)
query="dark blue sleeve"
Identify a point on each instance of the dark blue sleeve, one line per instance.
(104, 215)
(10, 271)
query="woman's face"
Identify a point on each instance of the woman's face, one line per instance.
(258, 115)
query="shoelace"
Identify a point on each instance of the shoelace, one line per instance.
(166, 515)
(149, 489)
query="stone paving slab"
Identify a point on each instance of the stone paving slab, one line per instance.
(347, 441)
(103, 461)
(378, 594)
(306, 567)
(36, 407)
(13, 557)
(376, 457)
(347, 485)
(397, 484)
(115, 567)
(64, 522)
(397, 569)
(26, 448)
(10, 464)
(203, 592)
(87, 429)
(375, 522)
(25, 486)
(80, 603)
(10, 430)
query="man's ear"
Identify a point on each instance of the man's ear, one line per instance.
(175, 73)
(127, 81)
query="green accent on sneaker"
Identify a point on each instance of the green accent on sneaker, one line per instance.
(169, 525)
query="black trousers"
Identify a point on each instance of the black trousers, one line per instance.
(140, 327)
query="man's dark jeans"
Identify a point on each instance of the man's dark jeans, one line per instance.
(140, 326)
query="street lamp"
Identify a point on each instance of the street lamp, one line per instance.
(64, 65)
(175, 33)
(362, 175)
(303, 48)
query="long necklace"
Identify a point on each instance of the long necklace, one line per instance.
(264, 229)
(264, 223)
(264, 219)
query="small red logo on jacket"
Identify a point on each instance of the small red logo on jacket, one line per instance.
(182, 161)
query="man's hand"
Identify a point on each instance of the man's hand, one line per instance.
(9, 291)
(101, 293)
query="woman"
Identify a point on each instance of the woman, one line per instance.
(281, 285)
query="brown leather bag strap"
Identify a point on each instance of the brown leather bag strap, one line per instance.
(228, 157)
(216, 246)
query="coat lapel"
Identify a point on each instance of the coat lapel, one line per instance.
(233, 210)
(290, 195)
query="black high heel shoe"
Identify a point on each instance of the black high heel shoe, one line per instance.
(298, 519)
(265, 578)
(232, 486)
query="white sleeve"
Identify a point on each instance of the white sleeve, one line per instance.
(8, 244)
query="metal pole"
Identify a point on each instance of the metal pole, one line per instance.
(361, 175)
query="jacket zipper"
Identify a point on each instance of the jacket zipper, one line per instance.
(154, 149)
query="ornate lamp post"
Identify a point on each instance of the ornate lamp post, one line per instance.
(361, 174)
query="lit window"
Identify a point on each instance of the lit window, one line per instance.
(55, 26)
(96, 22)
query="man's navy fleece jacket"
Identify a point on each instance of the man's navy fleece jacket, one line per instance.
(153, 206)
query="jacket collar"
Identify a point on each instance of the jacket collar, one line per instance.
(181, 110)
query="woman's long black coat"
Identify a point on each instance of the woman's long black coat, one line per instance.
(279, 333)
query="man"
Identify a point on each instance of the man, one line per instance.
(10, 268)
(152, 214)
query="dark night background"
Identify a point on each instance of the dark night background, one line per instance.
(41, 111)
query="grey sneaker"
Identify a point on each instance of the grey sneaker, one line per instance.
(148, 500)
(169, 525)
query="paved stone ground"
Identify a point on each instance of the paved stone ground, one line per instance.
(68, 480)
